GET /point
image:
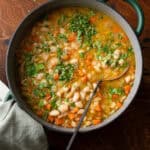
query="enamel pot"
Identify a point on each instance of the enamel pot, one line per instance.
(99, 5)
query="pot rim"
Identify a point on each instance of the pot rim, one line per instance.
(137, 51)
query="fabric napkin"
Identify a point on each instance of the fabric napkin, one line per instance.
(18, 131)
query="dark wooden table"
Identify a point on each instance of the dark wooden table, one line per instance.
(131, 131)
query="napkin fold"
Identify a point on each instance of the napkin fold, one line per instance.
(18, 131)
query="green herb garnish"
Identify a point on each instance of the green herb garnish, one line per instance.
(65, 71)
(59, 53)
(81, 25)
(41, 103)
(118, 91)
(39, 93)
(62, 19)
(45, 47)
(33, 69)
(62, 37)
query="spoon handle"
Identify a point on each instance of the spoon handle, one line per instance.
(82, 117)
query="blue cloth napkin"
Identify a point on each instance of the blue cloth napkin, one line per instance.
(18, 131)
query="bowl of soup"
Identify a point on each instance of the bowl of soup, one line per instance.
(58, 54)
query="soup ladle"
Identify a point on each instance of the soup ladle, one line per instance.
(88, 105)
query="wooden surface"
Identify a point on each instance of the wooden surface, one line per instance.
(131, 131)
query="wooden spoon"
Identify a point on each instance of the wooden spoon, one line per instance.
(88, 105)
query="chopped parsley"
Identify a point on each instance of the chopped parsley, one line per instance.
(82, 54)
(59, 53)
(62, 37)
(62, 19)
(34, 69)
(65, 71)
(41, 103)
(118, 91)
(39, 93)
(45, 47)
(53, 103)
(80, 24)
(42, 85)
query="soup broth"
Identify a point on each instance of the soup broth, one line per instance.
(64, 55)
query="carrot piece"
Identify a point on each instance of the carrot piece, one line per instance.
(80, 73)
(48, 106)
(72, 37)
(88, 63)
(115, 96)
(59, 121)
(71, 116)
(116, 29)
(99, 114)
(127, 89)
(119, 104)
(93, 19)
(39, 113)
(48, 96)
(98, 108)
(50, 118)
(89, 57)
(65, 57)
(75, 110)
(96, 121)
(84, 79)
(125, 38)
(56, 76)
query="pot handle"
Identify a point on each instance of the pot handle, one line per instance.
(139, 12)
(4, 93)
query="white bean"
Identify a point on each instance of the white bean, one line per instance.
(65, 89)
(113, 104)
(121, 62)
(95, 103)
(123, 98)
(87, 123)
(76, 97)
(74, 45)
(82, 94)
(74, 61)
(52, 62)
(39, 76)
(73, 124)
(89, 75)
(96, 65)
(86, 89)
(76, 84)
(63, 108)
(44, 56)
(128, 79)
(53, 48)
(54, 113)
(80, 111)
(116, 54)
(94, 85)
(132, 77)
(97, 99)
(69, 95)
(59, 93)
(79, 104)
(62, 30)
(104, 65)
